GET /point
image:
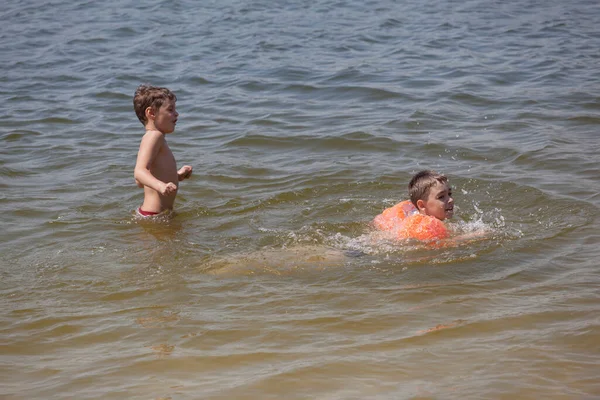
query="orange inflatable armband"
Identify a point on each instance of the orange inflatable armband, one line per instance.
(407, 223)
(422, 227)
(391, 217)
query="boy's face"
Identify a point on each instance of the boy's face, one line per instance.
(439, 202)
(166, 117)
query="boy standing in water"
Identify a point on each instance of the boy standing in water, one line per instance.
(155, 169)
(420, 217)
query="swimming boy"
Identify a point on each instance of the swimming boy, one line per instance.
(420, 217)
(155, 169)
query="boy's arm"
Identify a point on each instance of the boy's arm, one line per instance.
(471, 236)
(149, 148)
(184, 172)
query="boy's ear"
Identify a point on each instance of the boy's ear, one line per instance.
(149, 113)
(420, 205)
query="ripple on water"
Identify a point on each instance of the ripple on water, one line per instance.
(302, 122)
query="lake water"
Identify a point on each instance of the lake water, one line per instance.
(302, 120)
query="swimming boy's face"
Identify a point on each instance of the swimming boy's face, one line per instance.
(166, 117)
(439, 202)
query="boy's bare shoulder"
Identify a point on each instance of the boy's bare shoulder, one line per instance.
(153, 138)
(154, 135)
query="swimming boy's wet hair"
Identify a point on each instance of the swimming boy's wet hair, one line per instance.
(421, 183)
(150, 96)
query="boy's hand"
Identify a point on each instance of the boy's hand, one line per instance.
(184, 172)
(168, 188)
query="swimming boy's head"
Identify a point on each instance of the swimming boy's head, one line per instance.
(431, 193)
(148, 100)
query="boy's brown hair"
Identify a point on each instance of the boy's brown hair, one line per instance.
(150, 96)
(421, 183)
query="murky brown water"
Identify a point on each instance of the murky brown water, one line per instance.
(302, 122)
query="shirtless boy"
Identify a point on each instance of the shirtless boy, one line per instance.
(155, 169)
(420, 217)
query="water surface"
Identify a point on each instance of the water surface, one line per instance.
(302, 120)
